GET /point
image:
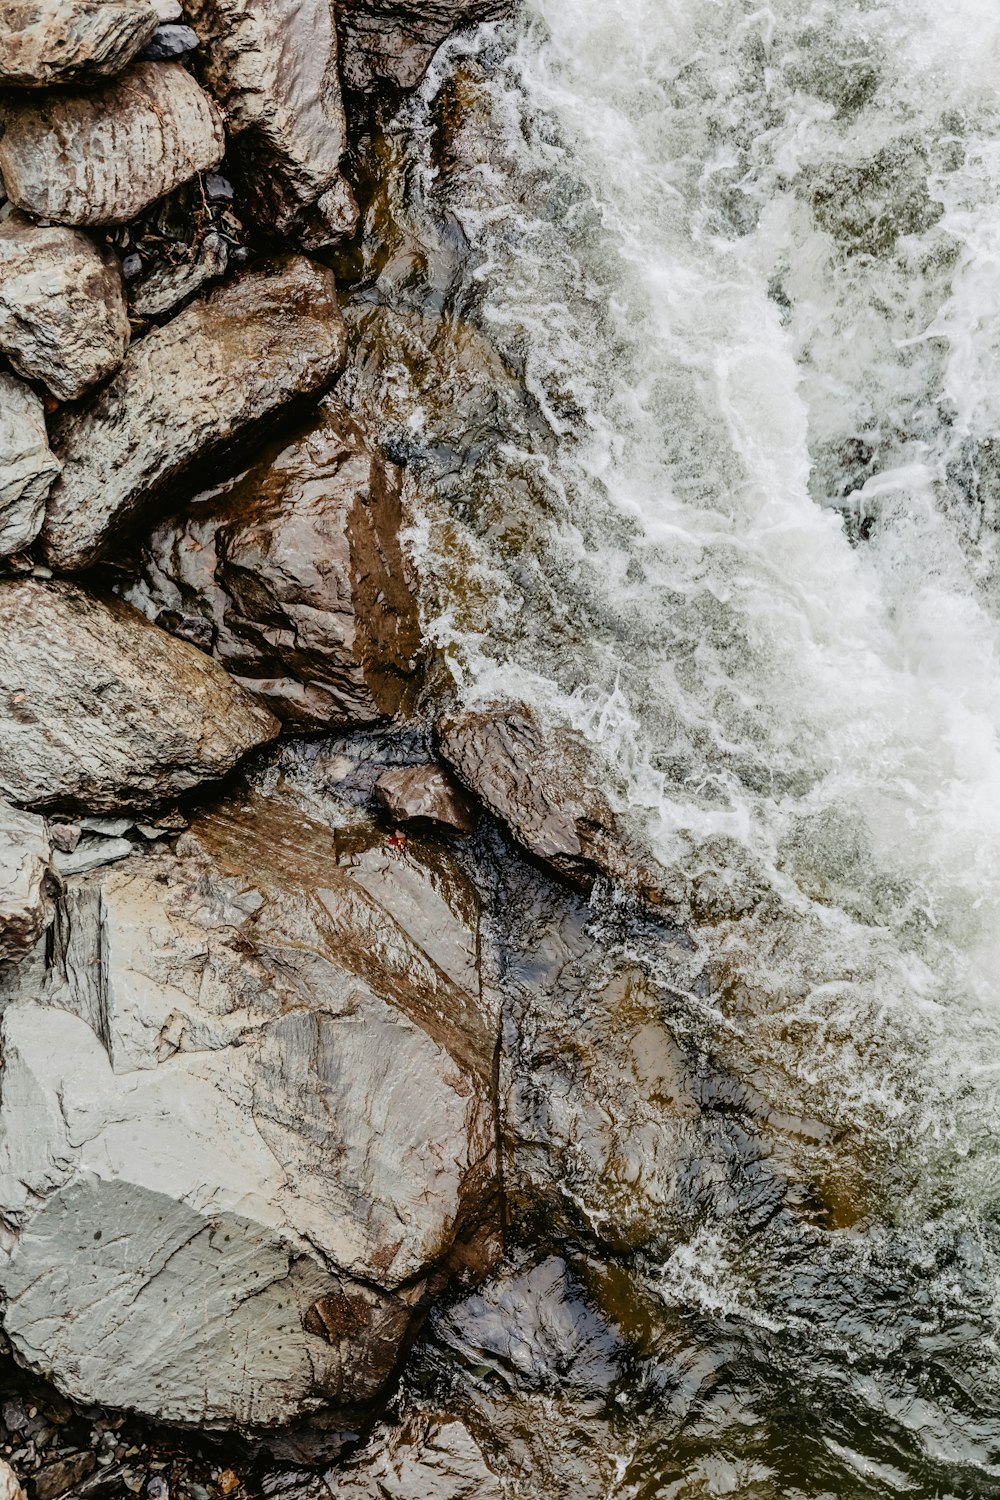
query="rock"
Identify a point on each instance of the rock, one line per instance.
(272, 65)
(167, 11)
(428, 1457)
(101, 156)
(91, 854)
(55, 1479)
(294, 570)
(161, 292)
(169, 42)
(393, 41)
(101, 710)
(10, 1488)
(70, 41)
(26, 882)
(187, 391)
(241, 1149)
(27, 465)
(426, 794)
(62, 307)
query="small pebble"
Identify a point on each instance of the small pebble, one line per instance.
(218, 189)
(168, 42)
(157, 1488)
(131, 266)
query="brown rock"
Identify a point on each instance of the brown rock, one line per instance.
(69, 41)
(186, 392)
(101, 156)
(62, 307)
(393, 41)
(56, 1478)
(27, 884)
(99, 709)
(10, 1487)
(293, 575)
(27, 465)
(426, 794)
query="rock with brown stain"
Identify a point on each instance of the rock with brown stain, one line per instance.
(27, 465)
(62, 307)
(246, 1120)
(27, 883)
(102, 155)
(393, 41)
(70, 41)
(100, 710)
(216, 373)
(293, 574)
(426, 794)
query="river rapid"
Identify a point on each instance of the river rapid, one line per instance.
(695, 318)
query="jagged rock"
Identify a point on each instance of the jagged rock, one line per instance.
(425, 794)
(161, 292)
(100, 710)
(272, 65)
(292, 574)
(169, 42)
(70, 41)
(26, 881)
(428, 1457)
(101, 156)
(27, 465)
(393, 41)
(62, 307)
(241, 1148)
(215, 373)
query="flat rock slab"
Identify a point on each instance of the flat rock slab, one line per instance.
(272, 65)
(99, 709)
(186, 392)
(102, 156)
(70, 41)
(247, 1121)
(426, 794)
(27, 465)
(62, 307)
(294, 576)
(393, 41)
(27, 883)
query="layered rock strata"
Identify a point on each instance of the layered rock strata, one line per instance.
(70, 41)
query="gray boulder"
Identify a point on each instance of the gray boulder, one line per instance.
(246, 1126)
(62, 307)
(103, 155)
(102, 710)
(215, 373)
(70, 41)
(393, 41)
(27, 465)
(27, 883)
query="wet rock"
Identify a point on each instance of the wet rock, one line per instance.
(70, 41)
(168, 286)
(185, 393)
(27, 465)
(100, 156)
(296, 571)
(26, 881)
(428, 1457)
(101, 710)
(55, 1479)
(426, 794)
(272, 65)
(240, 1151)
(393, 41)
(169, 42)
(62, 307)
(10, 1488)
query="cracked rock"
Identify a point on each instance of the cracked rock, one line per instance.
(69, 41)
(27, 465)
(102, 155)
(393, 41)
(26, 881)
(62, 307)
(240, 1151)
(100, 710)
(217, 372)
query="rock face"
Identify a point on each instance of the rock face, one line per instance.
(272, 65)
(27, 465)
(99, 709)
(428, 1457)
(292, 573)
(393, 41)
(101, 156)
(62, 307)
(426, 794)
(240, 1151)
(27, 883)
(187, 391)
(69, 41)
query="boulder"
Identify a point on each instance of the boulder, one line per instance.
(272, 65)
(101, 156)
(393, 41)
(27, 883)
(70, 41)
(426, 794)
(62, 307)
(214, 374)
(430, 1456)
(100, 710)
(27, 465)
(293, 575)
(247, 1123)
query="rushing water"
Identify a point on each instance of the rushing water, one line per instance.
(729, 503)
